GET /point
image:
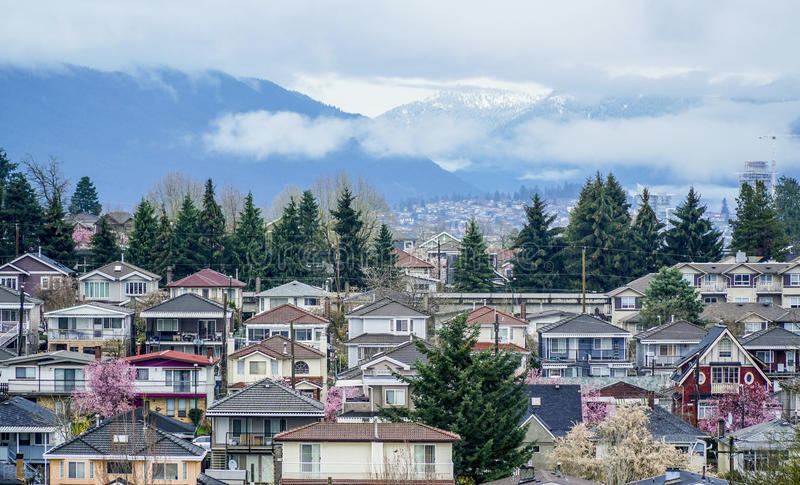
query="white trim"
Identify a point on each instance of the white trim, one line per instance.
(132, 273)
(148, 314)
(56, 313)
(259, 352)
(95, 272)
(586, 335)
(20, 270)
(39, 260)
(383, 358)
(223, 414)
(157, 459)
(533, 416)
(744, 351)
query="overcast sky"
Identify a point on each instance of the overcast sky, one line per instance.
(368, 57)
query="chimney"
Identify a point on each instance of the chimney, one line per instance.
(523, 311)
(741, 257)
(258, 284)
(169, 276)
(284, 347)
(558, 469)
(97, 420)
(122, 257)
(20, 468)
(40, 251)
(672, 318)
(98, 353)
(326, 309)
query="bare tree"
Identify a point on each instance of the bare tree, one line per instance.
(168, 192)
(282, 200)
(58, 295)
(47, 177)
(231, 199)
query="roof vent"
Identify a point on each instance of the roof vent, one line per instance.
(118, 268)
(536, 401)
(673, 475)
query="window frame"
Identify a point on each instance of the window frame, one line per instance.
(721, 351)
(394, 400)
(312, 465)
(142, 372)
(164, 471)
(627, 303)
(740, 280)
(76, 472)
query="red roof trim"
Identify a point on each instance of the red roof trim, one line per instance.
(304, 313)
(172, 355)
(207, 278)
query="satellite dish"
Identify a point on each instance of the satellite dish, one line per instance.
(232, 465)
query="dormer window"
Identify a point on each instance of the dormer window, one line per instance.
(403, 325)
(725, 347)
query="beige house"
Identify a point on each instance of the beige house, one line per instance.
(211, 285)
(510, 329)
(552, 410)
(626, 301)
(367, 453)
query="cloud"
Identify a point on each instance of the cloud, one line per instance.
(552, 175)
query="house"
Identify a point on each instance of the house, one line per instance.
(379, 326)
(659, 348)
(187, 323)
(538, 320)
(626, 301)
(272, 358)
(211, 285)
(715, 366)
(776, 348)
(665, 426)
(48, 379)
(757, 447)
(173, 383)
(175, 427)
(117, 283)
(377, 386)
(746, 318)
(121, 222)
(299, 294)
(9, 319)
(34, 272)
(412, 265)
(621, 392)
(309, 328)
(366, 453)
(122, 450)
(681, 477)
(504, 262)
(552, 410)
(510, 329)
(582, 346)
(245, 423)
(441, 251)
(27, 428)
(91, 327)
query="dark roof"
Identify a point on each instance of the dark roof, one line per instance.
(6, 354)
(173, 355)
(679, 330)
(204, 479)
(49, 358)
(267, 398)
(672, 429)
(686, 478)
(639, 285)
(386, 432)
(164, 423)
(287, 313)
(771, 337)
(728, 312)
(406, 353)
(623, 390)
(548, 313)
(52, 262)
(7, 295)
(124, 270)
(207, 278)
(19, 411)
(119, 217)
(712, 335)
(560, 406)
(293, 288)
(386, 307)
(186, 303)
(279, 347)
(541, 477)
(379, 338)
(8, 474)
(582, 324)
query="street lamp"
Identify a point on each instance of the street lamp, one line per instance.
(196, 368)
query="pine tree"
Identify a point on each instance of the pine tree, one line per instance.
(316, 254)
(477, 395)
(286, 254)
(647, 238)
(163, 246)
(473, 272)
(56, 237)
(757, 229)
(21, 209)
(248, 242)
(668, 296)
(787, 203)
(7, 228)
(537, 261)
(186, 243)
(85, 198)
(142, 241)
(104, 244)
(348, 226)
(692, 237)
(383, 259)
(212, 229)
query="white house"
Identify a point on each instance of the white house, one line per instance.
(380, 326)
(295, 293)
(89, 327)
(47, 379)
(118, 282)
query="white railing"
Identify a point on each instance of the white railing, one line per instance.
(86, 335)
(724, 388)
(773, 286)
(717, 287)
(661, 360)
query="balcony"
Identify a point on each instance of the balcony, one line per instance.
(769, 287)
(773, 368)
(584, 356)
(398, 469)
(713, 287)
(184, 337)
(724, 388)
(86, 335)
(661, 360)
(248, 441)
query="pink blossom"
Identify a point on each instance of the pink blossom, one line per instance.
(333, 403)
(109, 388)
(82, 237)
(759, 406)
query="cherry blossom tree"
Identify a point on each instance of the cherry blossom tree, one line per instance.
(82, 237)
(109, 388)
(333, 403)
(759, 406)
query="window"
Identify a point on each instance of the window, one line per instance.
(602, 344)
(765, 279)
(750, 327)
(794, 279)
(282, 333)
(724, 375)
(142, 374)
(627, 303)
(109, 322)
(120, 438)
(740, 279)
(600, 371)
(240, 367)
(125, 467)
(555, 373)
(26, 373)
(170, 407)
(725, 347)
(709, 279)
(668, 350)
(766, 356)
(765, 299)
(303, 334)
(68, 379)
(258, 368)
(66, 323)
(311, 301)
(274, 367)
(536, 449)
(300, 367)
(401, 325)
(395, 397)
(689, 279)
(165, 471)
(179, 380)
(743, 299)
(185, 471)
(710, 299)
(61, 469)
(167, 324)
(704, 410)
(309, 458)
(9, 282)
(76, 469)
(792, 327)
(181, 408)
(502, 334)
(794, 302)
(44, 283)
(558, 345)
(425, 459)
(95, 289)
(135, 288)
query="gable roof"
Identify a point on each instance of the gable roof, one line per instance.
(676, 331)
(287, 313)
(550, 313)
(775, 337)
(7, 295)
(267, 398)
(560, 406)
(207, 278)
(485, 315)
(583, 324)
(407, 260)
(275, 346)
(293, 288)
(764, 435)
(623, 390)
(51, 358)
(684, 477)
(164, 423)
(379, 338)
(381, 432)
(729, 312)
(385, 307)
(448, 238)
(187, 304)
(713, 334)
(407, 353)
(125, 269)
(173, 355)
(639, 285)
(43, 259)
(91, 304)
(20, 413)
(664, 425)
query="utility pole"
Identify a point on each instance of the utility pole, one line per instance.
(496, 332)
(291, 343)
(730, 458)
(223, 368)
(439, 258)
(20, 338)
(583, 280)
(741, 386)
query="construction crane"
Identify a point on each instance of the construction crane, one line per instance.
(758, 169)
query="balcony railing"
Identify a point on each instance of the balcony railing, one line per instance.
(21, 386)
(583, 355)
(774, 368)
(248, 441)
(183, 336)
(771, 287)
(86, 335)
(717, 287)
(395, 470)
(661, 360)
(724, 388)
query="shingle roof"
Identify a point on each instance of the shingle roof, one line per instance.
(101, 306)
(679, 330)
(727, 312)
(406, 260)
(204, 479)
(125, 270)
(547, 313)
(560, 406)
(6, 354)
(406, 353)
(764, 435)
(672, 429)
(623, 390)
(482, 346)
(771, 337)
(207, 278)
(164, 423)
(712, 335)
(49, 358)
(7, 295)
(379, 338)
(485, 315)
(119, 217)
(639, 285)
(685, 477)
(582, 324)
(20, 412)
(293, 288)
(173, 355)
(385, 432)
(187, 303)
(286, 313)
(52, 262)
(386, 307)
(267, 398)
(274, 347)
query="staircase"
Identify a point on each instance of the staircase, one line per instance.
(7, 337)
(218, 461)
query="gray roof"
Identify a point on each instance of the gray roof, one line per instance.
(549, 313)
(560, 406)
(6, 354)
(267, 398)
(142, 440)
(639, 285)
(764, 435)
(679, 330)
(582, 324)
(49, 358)
(164, 423)
(406, 353)
(125, 270)
(120, 217)
(540, 477)
(726, 267)
(711, 337)
(385, 307)
(204, 479)
(728, 312)
(185, 303)
(379, 338)
(293, 288)
(686, 478)
(771, 337)
(19, 411)
(7, 295)
(672, 429)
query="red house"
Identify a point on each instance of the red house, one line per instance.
(716, 366)
(776, 348)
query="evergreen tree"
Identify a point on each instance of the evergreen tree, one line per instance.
(668, 296)
(21, 209)
(757, 229)
(478, 395)
(316, 253)
(537, 262)
(473, 272)
(162, 246)
(287, 249)
(248, 242)
(186, 243)
(85, 198)
(142, 242)
(56, 237)
(7, 229)
(787, 203)
(692, 237)
(647, 238)
(212, 229)
(383, 259)
(104, 244)
(348, 226)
